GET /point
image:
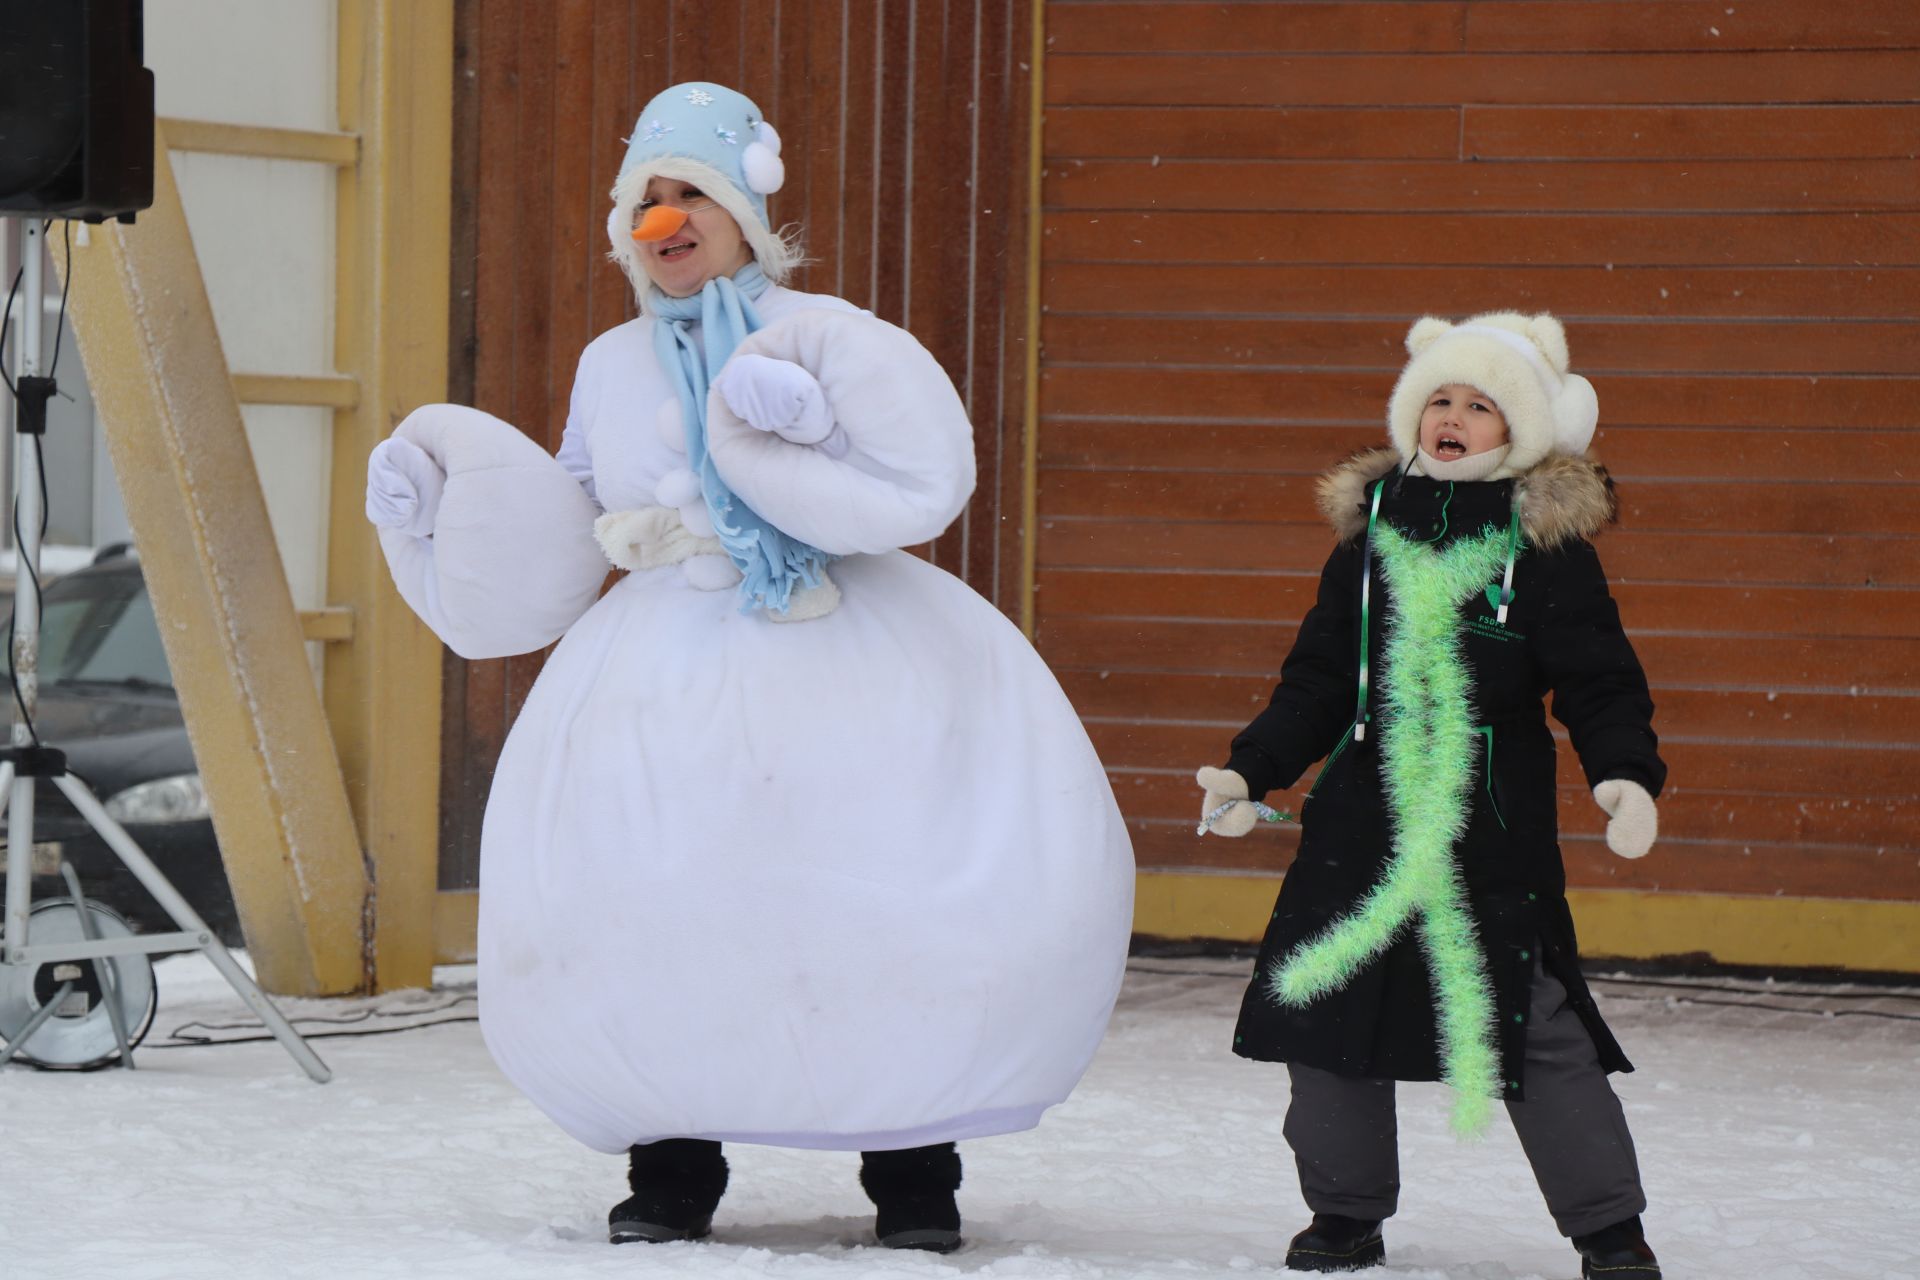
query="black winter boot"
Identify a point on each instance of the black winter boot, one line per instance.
(1334, 1243)
(1618, 1252)
(913, 1191)
(677, 1183)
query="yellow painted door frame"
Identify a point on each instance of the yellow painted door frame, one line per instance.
(393, 229)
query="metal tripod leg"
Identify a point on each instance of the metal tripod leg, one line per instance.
(19, 868)
(102, 968)
(38, 1020)
(189, 920)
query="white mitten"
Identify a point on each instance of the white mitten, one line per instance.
(1633, 821)
(404, 486)
(781, 397)
(1224, 786)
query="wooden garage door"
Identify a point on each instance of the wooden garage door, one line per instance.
(1246, 204)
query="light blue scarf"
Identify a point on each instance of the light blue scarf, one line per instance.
(770, 562)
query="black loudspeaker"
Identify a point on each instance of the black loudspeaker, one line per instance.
(76, 109)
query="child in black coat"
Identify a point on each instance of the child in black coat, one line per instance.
(1423, 931)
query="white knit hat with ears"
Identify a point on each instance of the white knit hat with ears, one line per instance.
(716, 139)
(1521, 362)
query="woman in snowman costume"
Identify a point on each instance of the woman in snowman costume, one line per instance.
(796, 841)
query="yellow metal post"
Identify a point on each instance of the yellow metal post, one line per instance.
(394, 211)
(234, 642)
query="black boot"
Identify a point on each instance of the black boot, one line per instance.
(1618, 1252)
(677, 1183)
(1334, 1243)
(913, 1191)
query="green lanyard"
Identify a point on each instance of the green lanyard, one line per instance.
(1366, 602)
(1513, 553)
(1360, 712)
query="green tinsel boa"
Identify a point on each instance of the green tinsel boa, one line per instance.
(1428, 740)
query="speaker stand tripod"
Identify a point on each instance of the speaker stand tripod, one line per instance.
(55, 976)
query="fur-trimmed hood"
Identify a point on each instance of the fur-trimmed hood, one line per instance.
(1561, 499)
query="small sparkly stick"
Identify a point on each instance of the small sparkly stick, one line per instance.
(1267, 814)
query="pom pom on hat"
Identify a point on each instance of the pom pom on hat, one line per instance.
(1520, 361)
(765, 171)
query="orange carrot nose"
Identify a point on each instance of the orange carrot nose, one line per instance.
(660, 222)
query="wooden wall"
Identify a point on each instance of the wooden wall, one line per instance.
(904, 124)
(1246, 205)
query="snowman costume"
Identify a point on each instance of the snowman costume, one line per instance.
(796, 840)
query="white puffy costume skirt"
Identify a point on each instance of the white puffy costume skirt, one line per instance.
(857, 882)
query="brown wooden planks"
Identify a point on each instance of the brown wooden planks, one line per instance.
(1417, 185)
(1742, 239)
(1684, 506)
(1777, 715)
(1399, 80)
(1706, 453)
(1697, 25)
(1698, 658)
(1572, 292)
(1881, 773)
(1690, 133)
(1249, 134)
(1268, 395)
(1302, 544)
(1263, 28)
(1734, 610)
(1601, 347)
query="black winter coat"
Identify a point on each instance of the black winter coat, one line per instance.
(1562, 637)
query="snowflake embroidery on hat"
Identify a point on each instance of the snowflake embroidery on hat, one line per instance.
(726, 135)
(658, 129)
(699, 97)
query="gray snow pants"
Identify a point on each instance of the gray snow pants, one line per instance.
(1345, 1140)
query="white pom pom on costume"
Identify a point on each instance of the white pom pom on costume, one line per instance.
(671, 425)
(765, 171)
(710, 573)
(767, 134)
(677, 488)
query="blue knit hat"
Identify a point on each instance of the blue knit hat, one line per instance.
(717, 139)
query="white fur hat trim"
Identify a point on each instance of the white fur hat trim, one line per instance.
(1576, 409)
(1519, 361)
(776, 254)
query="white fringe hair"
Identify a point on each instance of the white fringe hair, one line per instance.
(778, 253)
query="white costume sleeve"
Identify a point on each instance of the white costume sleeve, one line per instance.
(575, 458)
(908, 467)
(512, 562)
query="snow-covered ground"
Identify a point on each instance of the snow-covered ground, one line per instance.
(1776, 1146)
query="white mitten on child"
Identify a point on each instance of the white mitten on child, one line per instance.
(404, 486)
(781, 397)
(1224, 786)
(1633, 820)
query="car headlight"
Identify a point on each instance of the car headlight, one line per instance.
(176, 799)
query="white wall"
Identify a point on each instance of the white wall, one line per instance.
(263, 230)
